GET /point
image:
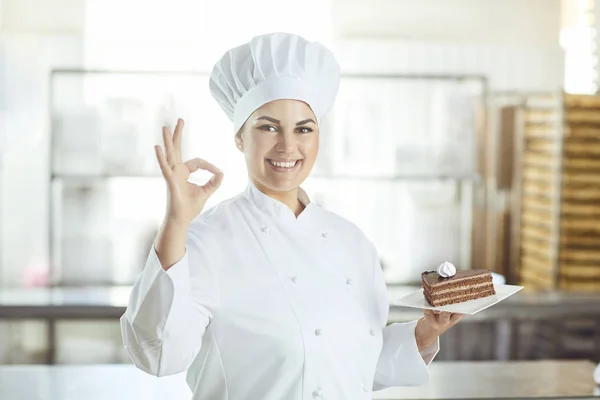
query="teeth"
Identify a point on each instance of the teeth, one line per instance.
(283, 164)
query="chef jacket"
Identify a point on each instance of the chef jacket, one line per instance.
(269, 306)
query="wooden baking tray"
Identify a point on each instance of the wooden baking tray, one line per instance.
(579, 285)
(580, 223)
(580, 256)
(541, 212)
(580, 101)
(570, 240)
(577, 209)
(578, 148)
(577, 272)
(530, 219)
(583, 164)
(535, 245)
(582, 116)
(542, 145)
(536, 232)
(588, 194)
(541, 160)
(542, 115)
(581, 130)
(585, 178)
(542, 191)
(534, 280)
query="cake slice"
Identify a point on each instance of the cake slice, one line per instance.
(463, 286)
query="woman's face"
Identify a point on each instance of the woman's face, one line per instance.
(280, 141)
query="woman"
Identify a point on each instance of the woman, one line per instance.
(267, 295)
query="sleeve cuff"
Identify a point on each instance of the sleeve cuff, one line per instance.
(179, 275)
(400, 362)
(429, 353)
(150, 292)
(178, 271)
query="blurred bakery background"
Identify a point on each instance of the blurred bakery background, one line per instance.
(464, 131)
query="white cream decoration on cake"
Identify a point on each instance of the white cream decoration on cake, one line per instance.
(446, 270)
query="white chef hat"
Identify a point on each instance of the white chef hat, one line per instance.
(272, 67)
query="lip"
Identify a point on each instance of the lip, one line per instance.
(281, 169)
(283, 159)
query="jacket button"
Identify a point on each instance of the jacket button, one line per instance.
(317, 393)
(265, 229)
(372, 332)
(325, 235)
(349, 281)
(294, 279)
(318, 332)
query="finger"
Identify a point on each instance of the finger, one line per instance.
(177, 138)
(162, 162)
(436, 312)
(168, 139)
(197, 163)
(444, 318)
(211, 186)
(429, 314)
(213, 183)
(455, 317)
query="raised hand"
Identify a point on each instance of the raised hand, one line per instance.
(185, 200)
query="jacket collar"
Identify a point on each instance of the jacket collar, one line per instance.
(271, 206)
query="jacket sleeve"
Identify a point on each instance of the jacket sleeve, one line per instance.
(400, 362)
(169, 311)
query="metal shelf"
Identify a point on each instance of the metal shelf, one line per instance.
(101, 176)
(466, 177)
(466, 182)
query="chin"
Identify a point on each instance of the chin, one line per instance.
(279, 185)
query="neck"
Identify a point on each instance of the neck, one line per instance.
(289, 198)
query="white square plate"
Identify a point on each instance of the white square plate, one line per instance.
(417, 300)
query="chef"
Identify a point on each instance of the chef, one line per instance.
(267, 295)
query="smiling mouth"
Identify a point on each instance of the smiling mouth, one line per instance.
(284, 166)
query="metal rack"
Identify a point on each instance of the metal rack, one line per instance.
(556, 207)
(471, 186)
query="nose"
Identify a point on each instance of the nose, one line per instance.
(286, 143)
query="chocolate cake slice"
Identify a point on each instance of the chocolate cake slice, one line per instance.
(463, 286)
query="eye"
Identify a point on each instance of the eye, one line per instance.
(304, 129)
(269, 128)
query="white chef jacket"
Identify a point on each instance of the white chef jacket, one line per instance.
(267, 306)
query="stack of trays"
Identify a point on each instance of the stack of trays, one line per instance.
(560, 194)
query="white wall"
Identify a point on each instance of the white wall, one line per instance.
(505, 22)
(513, 42)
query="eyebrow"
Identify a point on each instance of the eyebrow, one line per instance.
(276, 121)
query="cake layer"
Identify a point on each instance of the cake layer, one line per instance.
(432, 278)
(480, 280)
(459, 298)
(461, 289)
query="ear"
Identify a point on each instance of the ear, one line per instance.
(239, 142)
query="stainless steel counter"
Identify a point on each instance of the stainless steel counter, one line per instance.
(52, 304)
(463, 380)
(108, 302)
